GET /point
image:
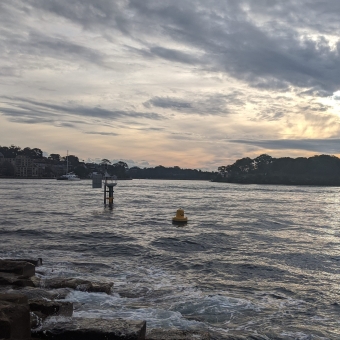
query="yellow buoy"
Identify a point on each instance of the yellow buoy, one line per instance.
(179, 218)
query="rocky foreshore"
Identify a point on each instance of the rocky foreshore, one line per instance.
(31, 307)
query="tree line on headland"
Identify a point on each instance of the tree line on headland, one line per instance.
(264, 169)
(55, 165)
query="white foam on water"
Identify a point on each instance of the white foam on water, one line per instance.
(300, 336)
(211, 309)
(214, 308)
(155, 318)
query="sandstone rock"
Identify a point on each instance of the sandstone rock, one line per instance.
(42, 293)
(88, 329)
(14, 320)
(77, 284)
(50, 308)
(14, 298)
(61, 282)
(101, 287)
(175, 334)
(8, 279)
(36, 263)
(23, 268)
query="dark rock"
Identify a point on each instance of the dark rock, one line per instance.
(8, 279)
(36, 263)
(175, 334)
(14, 298)
(77, 284)
(137, 292)
(88, 329)
(41, 293)
(36, 320)
(101, 287)
(14, 320)
(23, 268)
(61, 282)
(5, 327)
(50, 308)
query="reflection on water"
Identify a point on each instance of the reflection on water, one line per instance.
(253, 259)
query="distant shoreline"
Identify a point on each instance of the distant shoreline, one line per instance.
(287, 182)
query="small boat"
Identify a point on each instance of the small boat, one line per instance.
(71, 176)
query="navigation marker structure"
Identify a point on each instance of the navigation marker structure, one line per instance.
(109, 183)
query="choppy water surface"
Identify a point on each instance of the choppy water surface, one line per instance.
(253, 260)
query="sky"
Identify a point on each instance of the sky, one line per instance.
(189, 83)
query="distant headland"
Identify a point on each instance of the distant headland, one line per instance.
(16, 162)
(264, 169)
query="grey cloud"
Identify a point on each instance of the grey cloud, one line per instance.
(205, 104)
(259, 42)
(32, 111)
(63, 48)
(270, 56)
(102, 133)
(66, 124)
(167, 102)
(173, 55)
(8, 71)
(318, 145)
(270, 115)
(150, 129)
(25, 114)
(37, 44)
(316, 92)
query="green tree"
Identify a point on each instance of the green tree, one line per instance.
(105, 161)
(73, 160)
(120, 169)
(81, 171)
(54, 157)
(10, 152)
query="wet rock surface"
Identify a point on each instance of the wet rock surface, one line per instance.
(45, 308)
(86, 329)
(74, 283)
(36, 262)
(23, 268)
(21, 273)
(41, 293)
(14, 318)
(10, 279)
(174, 334)
(14, 298)
(30, 303)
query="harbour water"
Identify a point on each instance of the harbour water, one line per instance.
(254, 260)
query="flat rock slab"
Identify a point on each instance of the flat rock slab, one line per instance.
(51, 308)
(175, 334)
(17, 267)
(41, 293)
(14, 298)
(10, 279)
(14, 320)
(89, 329)
(77, 284)
(36, 263)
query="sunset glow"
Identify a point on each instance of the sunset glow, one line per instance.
(193, 84)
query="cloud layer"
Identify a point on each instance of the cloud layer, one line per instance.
(194, 83)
